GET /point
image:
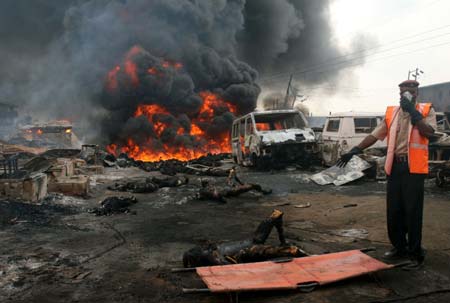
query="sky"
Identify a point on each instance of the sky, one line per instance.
(407, 34)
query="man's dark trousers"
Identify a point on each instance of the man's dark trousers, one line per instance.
(405, 209)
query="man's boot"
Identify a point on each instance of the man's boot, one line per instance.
(395, 254)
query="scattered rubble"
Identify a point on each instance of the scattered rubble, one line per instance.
(208, 165)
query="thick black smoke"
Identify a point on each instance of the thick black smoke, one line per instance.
(179, 90)
(56, 54)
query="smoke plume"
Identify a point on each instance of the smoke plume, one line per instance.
(98, 62)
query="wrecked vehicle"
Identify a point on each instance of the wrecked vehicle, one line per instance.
(342, 131)
(272, 138)
(443, 122)
(53, 134)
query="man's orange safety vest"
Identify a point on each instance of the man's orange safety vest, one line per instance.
(417, 144)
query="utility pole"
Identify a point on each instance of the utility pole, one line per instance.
(415, 73)
(286, 98)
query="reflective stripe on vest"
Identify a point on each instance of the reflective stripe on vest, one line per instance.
(417, 144)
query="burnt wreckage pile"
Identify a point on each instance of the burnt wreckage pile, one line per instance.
(208, 165)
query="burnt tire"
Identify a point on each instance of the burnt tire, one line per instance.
(254, 160)
(440, 180)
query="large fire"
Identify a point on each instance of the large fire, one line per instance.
(153, 112)
(155, 146)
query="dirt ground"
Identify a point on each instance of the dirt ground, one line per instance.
(59, 252)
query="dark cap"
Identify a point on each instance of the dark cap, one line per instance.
(409, 83)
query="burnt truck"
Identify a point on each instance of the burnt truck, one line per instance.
(273, 139)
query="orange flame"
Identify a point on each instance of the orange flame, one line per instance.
(111, 148)
(129, 67)
(165, 64)
(196, 131)
(261, 126)
(111, 82)
(212, 102)
(152, 71)
(131, 70)
(149, 152)
(149, 110)
(153, 149)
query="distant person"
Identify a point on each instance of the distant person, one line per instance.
(407, 128)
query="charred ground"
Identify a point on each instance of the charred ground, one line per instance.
(60, 251)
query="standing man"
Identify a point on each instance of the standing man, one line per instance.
(407, 128)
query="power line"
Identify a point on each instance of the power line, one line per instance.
(367, 50)
(312, 68)
(320, 66)
(386, 57)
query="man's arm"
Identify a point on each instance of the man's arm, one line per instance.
(367, 142)
(379, 133)
(428, 125)
(424, 128)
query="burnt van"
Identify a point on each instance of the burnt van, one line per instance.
(273, 137)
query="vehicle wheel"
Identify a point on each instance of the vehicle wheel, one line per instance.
(254, 160)
(440, 180)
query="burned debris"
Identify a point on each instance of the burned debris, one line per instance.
(208, 165)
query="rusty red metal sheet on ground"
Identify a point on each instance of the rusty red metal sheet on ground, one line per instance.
(322, 269)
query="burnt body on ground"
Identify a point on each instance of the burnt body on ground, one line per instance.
(114, 205)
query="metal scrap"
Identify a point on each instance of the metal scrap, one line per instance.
(342, 175)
